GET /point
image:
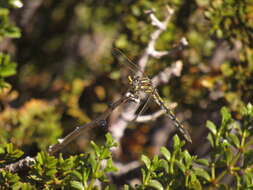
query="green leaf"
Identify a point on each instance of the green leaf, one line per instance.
(143, 172)
(164, 164)
(204, 162)
(110, 166)
(9, 148)
(51, 172)
(86, 174)
(249, 109)
(181, 166)
(92, 160)
(210, 138)
(126, 187)
(96, 148)
(229, 155)
(165, 152)
(77, 174)
(51, 162)
(248, 161)
(202, 173)
(187, 157)
(67, 164)
(211, 126)
(105, 154)
(226, 117)
(2, 150)
(155, 163)
(110, 142)
(7, 70)
(99, 174)
(146, 161)
(77, 185)
(39, 158)
(195, 183)
(176, 144)
(155, 184)
(235, 140)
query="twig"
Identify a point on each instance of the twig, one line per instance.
(150, 49)
(78, 130)
(164, 76)
(22, 164)
(150, 117)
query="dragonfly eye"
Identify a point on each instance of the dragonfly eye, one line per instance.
(130, 79)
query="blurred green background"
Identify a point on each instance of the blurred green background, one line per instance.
(66, 74)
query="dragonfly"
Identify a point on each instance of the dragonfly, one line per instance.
(141, 83)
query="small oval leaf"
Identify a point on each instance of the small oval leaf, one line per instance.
(166, 153)
(146, 161)
(155, 184)
(211, 126)
(77, 185)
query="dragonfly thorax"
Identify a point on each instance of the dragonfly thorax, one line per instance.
(140, 84)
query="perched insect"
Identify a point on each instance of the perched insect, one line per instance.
(140, 83)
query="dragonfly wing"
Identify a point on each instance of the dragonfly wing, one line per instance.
(144, 107)
(128, 62)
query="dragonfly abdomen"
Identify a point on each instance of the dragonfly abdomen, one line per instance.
(171, 115)
(160, 102)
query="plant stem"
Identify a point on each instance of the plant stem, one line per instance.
(92, 181)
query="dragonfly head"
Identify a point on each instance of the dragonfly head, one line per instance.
(135, 83)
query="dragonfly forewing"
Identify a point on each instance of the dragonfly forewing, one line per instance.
(129, 63)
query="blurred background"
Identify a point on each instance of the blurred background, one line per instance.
(67, 75)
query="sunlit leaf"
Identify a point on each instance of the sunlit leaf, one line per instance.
(211, 126)
(202, 173)
(77, 185)
(155, 184)
(146, 161)
(165, 152)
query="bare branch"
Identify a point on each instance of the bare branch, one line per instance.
(164, 76)
(20, 165)
(161, 26)
(151, 117)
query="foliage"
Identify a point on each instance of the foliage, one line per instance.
(31, 123)
(229, 157)
(6, 28)
(75, 172)
(8, 154)
(66, 76)
(231, 19)
(7, 67)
